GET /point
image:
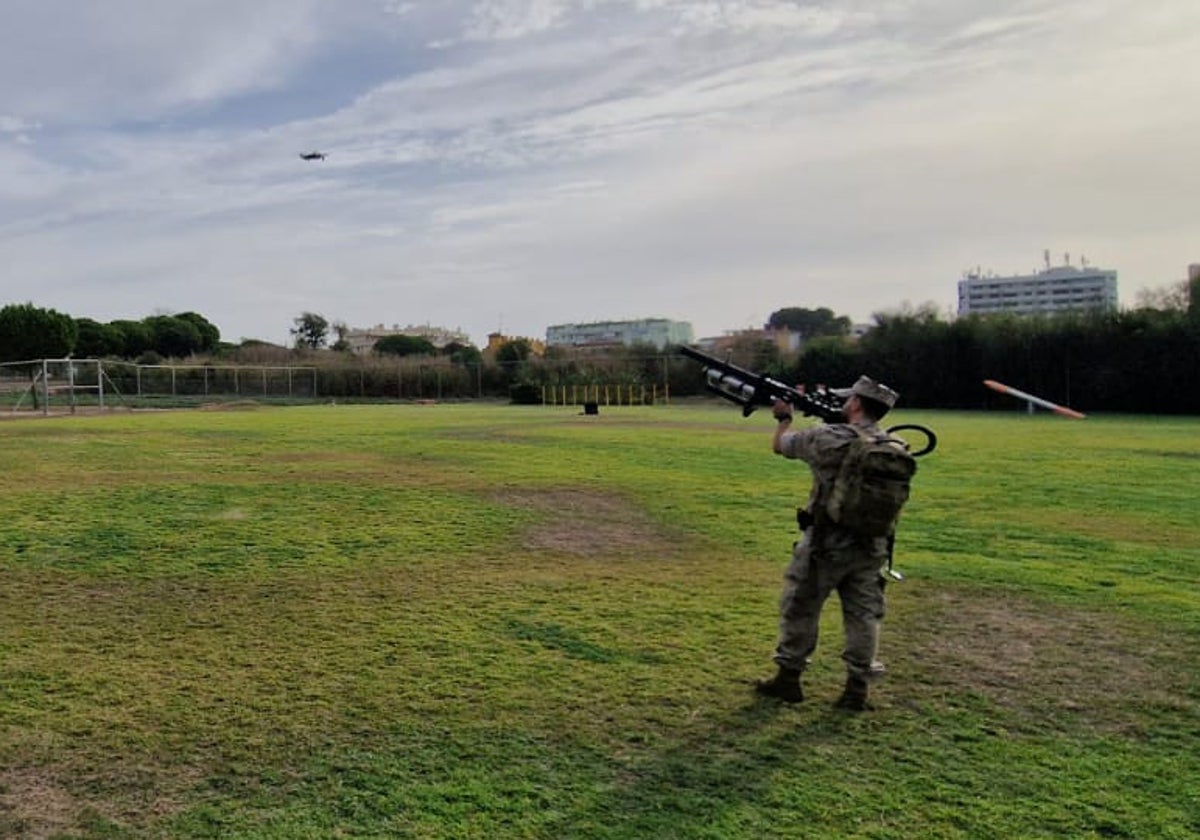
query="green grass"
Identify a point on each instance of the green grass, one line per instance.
(484, 621)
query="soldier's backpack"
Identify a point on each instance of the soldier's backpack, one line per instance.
(872, 485)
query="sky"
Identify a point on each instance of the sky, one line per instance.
(507, 165)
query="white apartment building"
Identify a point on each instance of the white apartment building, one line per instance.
(659, 332)
(1059, 289)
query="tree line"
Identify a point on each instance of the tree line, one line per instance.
(1132, 361)
(1137, 360)
(28, 332)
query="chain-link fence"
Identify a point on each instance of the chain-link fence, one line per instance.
(70, 385)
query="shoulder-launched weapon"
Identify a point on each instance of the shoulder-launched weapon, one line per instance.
(752, 390)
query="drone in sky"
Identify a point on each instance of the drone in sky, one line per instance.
(312, 156)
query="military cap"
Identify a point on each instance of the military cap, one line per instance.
(869, 388)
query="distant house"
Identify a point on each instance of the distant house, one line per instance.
(497, 340)
(659, 332)
(362, 340)
(787, 342)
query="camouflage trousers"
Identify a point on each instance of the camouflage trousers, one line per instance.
(810, 579)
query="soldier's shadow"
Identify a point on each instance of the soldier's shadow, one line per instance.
(723, 765)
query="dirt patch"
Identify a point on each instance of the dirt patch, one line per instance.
(33, 804)
(1042, 663)
(56, 411)
(232, 405)
(36, 803)
(589, 524)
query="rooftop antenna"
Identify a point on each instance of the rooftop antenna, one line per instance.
(1046, 257)
(1083, 260)
(1067, 258)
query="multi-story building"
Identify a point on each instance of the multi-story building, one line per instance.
(1063, 288)
(362, 340)
(659, 332)
(786, 341)
(497, 340)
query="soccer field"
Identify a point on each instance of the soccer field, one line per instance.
(491, 621)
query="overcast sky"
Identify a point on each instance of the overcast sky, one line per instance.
(512, 164)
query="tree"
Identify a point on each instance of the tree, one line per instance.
(830, 361)
(752, 350)
(810, 323)
(1173, 298)
(511, 359)
(341, 330)
(210, 336)
(404, 345)
(28, 332)
(310, 331)
(95, 340)
(174, 337)
(513, 352)
(462, 354)
(134, 336)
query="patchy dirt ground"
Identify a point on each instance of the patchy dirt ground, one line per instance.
(37, 804)
(1040, 663)
(589, 524)
(34, 805)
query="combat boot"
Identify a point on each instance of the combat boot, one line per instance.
(785, 686)
(854, 695)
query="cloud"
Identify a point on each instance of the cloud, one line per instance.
(69, 63)
(503, 20)
(554, 161)
(15, 125)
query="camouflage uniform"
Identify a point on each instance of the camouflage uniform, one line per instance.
(829, 558)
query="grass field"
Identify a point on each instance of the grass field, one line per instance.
(492, 621)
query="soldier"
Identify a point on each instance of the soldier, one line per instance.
(829, 557)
